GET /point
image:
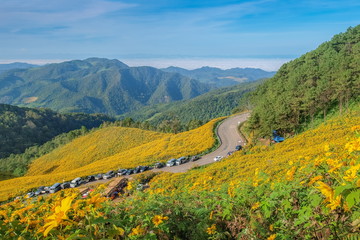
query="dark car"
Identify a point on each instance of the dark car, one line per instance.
(99, 176)
(195, 158)
(144, 168)
(90, 178)
(109, 174)
(238, 147)
(129, 172)
(40, 190)
(65, 185)
(159, 165)
(137, 169)
(182, 160)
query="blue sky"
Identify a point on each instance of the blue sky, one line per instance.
(227, 33)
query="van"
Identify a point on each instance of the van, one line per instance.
(75, 182)
(54, 188)
(181, 160)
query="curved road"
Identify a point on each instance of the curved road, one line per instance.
(229, 136)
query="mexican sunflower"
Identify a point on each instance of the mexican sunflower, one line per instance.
(59, 215)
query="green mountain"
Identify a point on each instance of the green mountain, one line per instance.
(15, 65)
(308, 88)
(21, 128)
(95, 85)
(217, 103)
(222, 78)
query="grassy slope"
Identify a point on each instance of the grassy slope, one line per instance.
(158, 148)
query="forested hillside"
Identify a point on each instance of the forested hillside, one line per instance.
(95, 85)
(222, 78)
(324, 80)
(21, 128)
(193, 112)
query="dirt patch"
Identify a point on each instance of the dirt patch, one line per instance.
(30, 99)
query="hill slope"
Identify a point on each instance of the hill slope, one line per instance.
(216, 103)
(21, 128)
(148, 148)
(16, 65)
(95, 85)
(318, 82)
(222, 78)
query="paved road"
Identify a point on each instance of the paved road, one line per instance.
(229, 137)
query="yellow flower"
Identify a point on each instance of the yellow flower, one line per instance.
(211, 230)
(158, 219)
(271, 227)
(325, 190)
(291, 162)
(314, 179)
(59, 215)
(290, 173)
(334, 203)
(326, 147)
(137, 231)
(96, 200)
(255, 206)
(272, 237)
(211, 215)
(120, 230)
(351, 173)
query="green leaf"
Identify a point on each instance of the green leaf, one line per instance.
(353, 198)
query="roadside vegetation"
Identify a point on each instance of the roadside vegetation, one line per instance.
(307, 187)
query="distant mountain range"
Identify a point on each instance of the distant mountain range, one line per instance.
(222, 78)
(16, 65)
(95, 85)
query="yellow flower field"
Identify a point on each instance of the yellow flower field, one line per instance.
(160, 147)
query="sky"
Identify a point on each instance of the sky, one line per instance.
(161, 33)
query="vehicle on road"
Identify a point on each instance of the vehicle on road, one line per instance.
(90, 178)
(109, 174)
(218, 158)
(75, 182)
(54, 188)
(65, 185)
(144, 168)
(181, 160)
(99, 176)
(238, 147)
(30, 195)
(40, 190)
(159, 165)
(121, 172)
(129, 172)
(195, 158)
(171, 162)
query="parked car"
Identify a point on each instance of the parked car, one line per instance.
(181, 160)
(144, 168)
(218, 158)
(129, 172)
(90, 178)
(99, 176)
(238, 147)
(54, 188)
(109, 174)
(40, 190)
(75, 182)
(171, 162)
(159, 165)
(230, 153)
(195, 158)
(46, 190)
(121, 172)
(65, 185)
(137, 169)
(30, 194)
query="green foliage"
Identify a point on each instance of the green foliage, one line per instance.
(319, 82)
(23, 128)
(217, 103)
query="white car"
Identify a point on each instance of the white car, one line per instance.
(218, 158)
